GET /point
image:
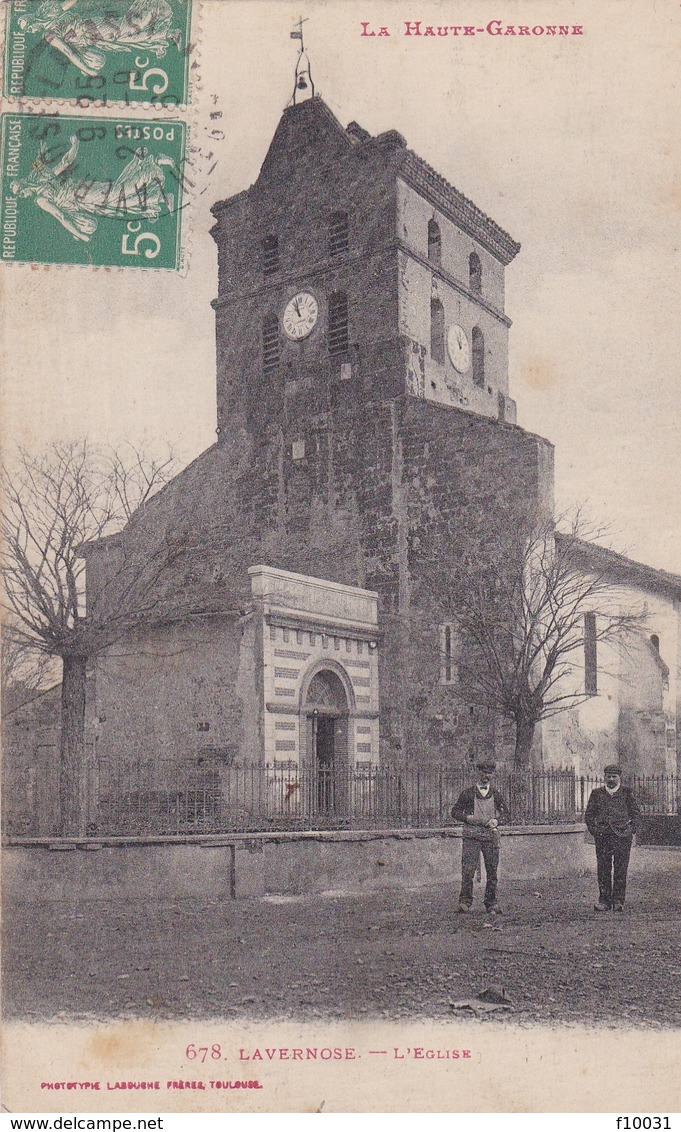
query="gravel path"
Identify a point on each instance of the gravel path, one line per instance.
(390, 955)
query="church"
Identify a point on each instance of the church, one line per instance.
(362, 403)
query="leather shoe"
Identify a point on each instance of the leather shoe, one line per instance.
(601, 907)
(464, 907)
(618, 907)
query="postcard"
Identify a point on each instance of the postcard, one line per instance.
(341, 556)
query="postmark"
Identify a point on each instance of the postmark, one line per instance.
(87, 190)
(115, 51)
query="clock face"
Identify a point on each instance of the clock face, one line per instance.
(458, 348)
(300, 316)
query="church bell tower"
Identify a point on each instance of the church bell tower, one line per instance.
(350, 271)
(362, 389)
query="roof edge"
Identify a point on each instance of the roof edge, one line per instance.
(640, 571)
(460, 209)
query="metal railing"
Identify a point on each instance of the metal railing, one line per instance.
(148, 800)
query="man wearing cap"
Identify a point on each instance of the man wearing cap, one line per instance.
(480, 808)
(611, 818)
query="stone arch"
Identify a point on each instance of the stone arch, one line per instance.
(316, 669)
(326, 708)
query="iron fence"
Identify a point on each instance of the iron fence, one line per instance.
(158, 800)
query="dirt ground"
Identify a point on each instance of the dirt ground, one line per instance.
(390, 955)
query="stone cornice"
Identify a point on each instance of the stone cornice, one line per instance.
(456, 207)
(356, 715)
(447, 277)
(330, 627)
(293, 280)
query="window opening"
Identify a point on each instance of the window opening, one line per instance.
(475, 273)
(437, 331)
(434, 242)
(478, 351)
(339, 238)
(270, 254)
(338, 323)
(590, 655)
(270, 344)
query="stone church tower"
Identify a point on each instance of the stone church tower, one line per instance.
(362, 404)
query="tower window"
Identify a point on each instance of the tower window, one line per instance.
(478, 351)
(434, 242)
(270, 344)
(339, 240)
(590, 655)
(475, 273)
(448, 668)
(655, 641)
(270, 255)
(437, 331)
(338, 323)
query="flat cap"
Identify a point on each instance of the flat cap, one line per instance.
(488, 767)
(613, 768)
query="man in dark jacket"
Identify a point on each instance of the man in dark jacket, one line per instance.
(611, 818)
(480, 808)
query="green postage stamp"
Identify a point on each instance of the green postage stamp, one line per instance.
(82, 190)
(130, 51)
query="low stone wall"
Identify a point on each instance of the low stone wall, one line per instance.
(360, 862)
(660, 829)
(287, 863)
(127, 870)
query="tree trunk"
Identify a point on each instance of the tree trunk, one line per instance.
(72, 768)
(524, 734)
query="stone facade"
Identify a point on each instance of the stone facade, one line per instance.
(339, 464)
(319, 662)
(362, 460)
(633, 716)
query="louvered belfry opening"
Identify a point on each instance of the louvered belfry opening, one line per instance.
(338, 323)
(339, 237)
(270, 344)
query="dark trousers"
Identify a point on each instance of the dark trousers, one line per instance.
(612, 862)
(470, 856)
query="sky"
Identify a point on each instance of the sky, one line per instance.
(570, 144)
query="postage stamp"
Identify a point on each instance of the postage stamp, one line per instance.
(129, 51)
(83, 190)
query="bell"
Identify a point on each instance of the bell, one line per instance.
(301, 84)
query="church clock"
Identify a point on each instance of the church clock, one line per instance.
(458, 348)
(300, 316)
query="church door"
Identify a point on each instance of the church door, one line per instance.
(324, 761)
(326, 709)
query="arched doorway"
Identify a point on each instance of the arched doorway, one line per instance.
(326, 710)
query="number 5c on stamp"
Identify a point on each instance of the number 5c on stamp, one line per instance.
(82, 190)
(112, 50)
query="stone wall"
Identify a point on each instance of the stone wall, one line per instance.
(311, 171)
(633, 718)
(30, 764)
(291, 864)
(357, 502)
(421, 280)
(176, 696)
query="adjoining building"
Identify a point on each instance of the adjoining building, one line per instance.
(633, 698)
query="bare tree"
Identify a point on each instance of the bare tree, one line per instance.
(527, 602)
(26, 671)
(53, 504)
